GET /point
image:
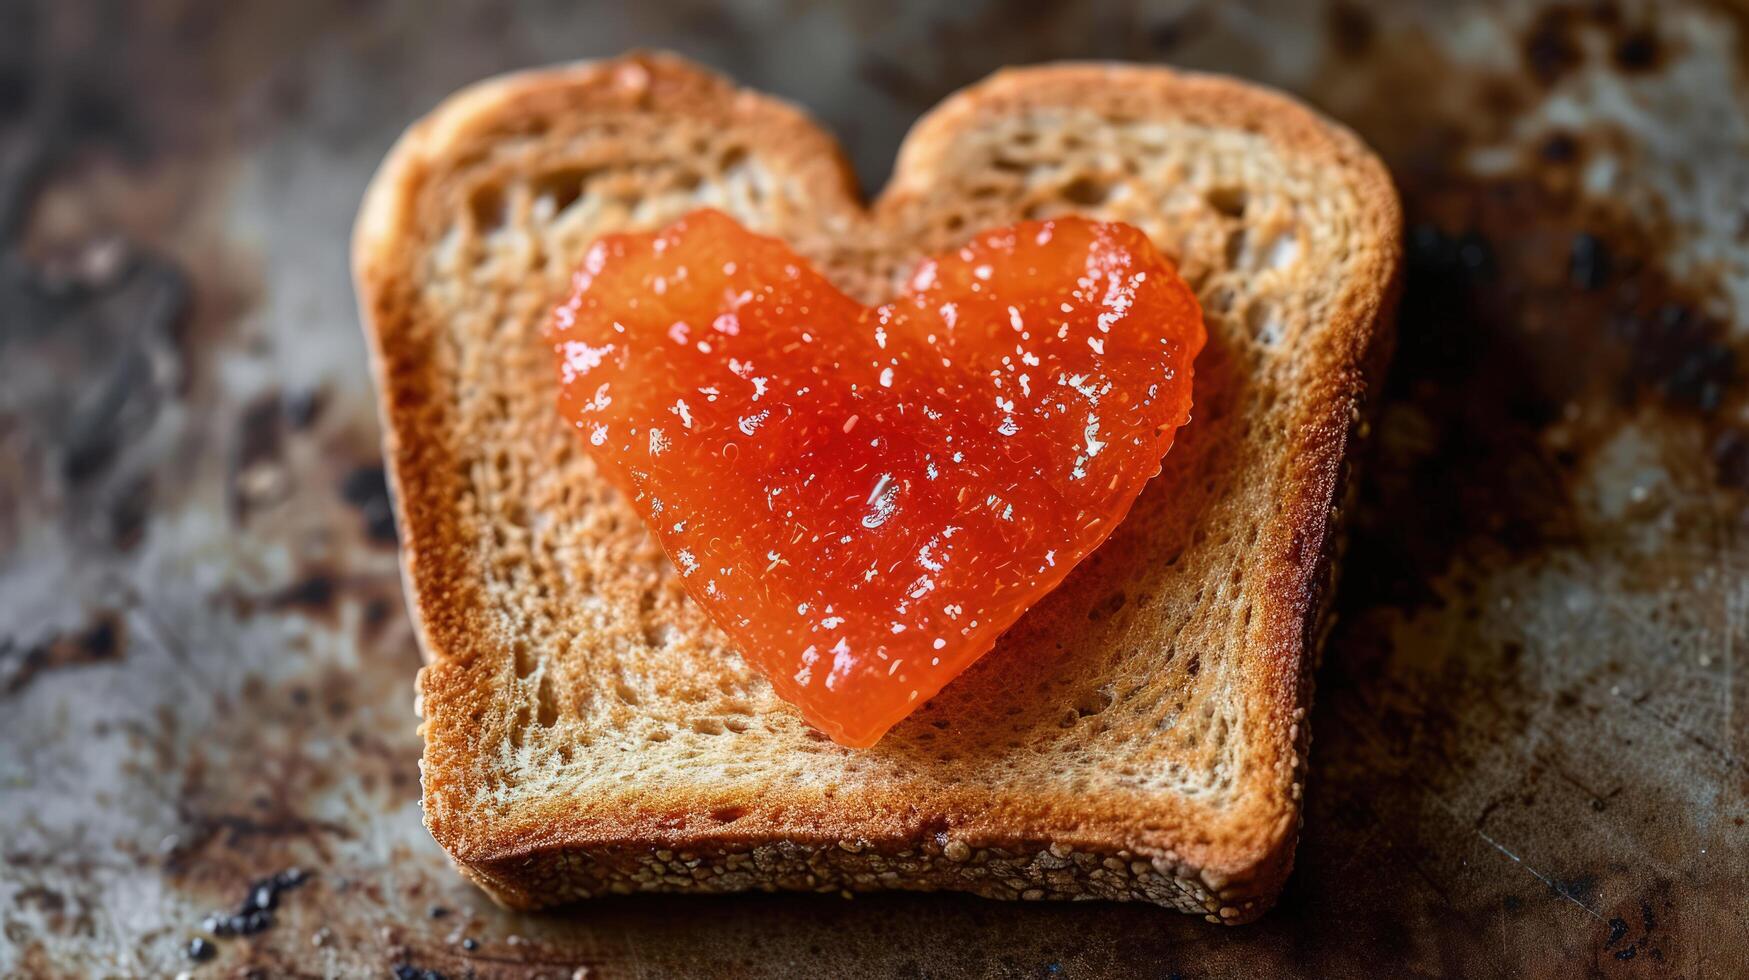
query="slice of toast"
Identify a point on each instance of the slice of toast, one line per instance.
(1138, 735)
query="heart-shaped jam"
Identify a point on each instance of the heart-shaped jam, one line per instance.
(864, 498)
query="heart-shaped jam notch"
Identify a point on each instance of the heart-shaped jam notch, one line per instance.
(864, 498)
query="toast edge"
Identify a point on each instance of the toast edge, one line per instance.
(1232, 880)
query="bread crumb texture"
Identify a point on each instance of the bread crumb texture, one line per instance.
(1138, 735)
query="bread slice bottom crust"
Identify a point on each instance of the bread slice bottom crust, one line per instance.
(1138, 735)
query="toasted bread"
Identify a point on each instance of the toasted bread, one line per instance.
(1140, 734)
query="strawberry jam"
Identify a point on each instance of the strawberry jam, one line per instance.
(864, 498)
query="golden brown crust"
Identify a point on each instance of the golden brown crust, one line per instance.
(1227, 862)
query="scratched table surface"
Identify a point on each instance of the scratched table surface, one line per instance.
(1531, 752)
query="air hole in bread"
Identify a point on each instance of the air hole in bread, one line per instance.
(1228, 201)
(1108, 607)
(561, 188)
(1261, 320)
(733, 161)
(737, 724)
(658, 634)
(1237, 254)
(728, 814)
(625, 692)
(546, 704)
(1095, 701)
(525, 660)
(708, 726)
(631, 203)
(1086, 192)
(486, 207)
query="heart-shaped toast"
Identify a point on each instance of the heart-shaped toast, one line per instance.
(864, 498)
(1138, 734)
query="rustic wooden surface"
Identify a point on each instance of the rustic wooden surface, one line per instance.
(1531, 756)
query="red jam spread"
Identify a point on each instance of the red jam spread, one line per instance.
(864, 498)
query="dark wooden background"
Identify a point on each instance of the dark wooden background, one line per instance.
(1531, 753)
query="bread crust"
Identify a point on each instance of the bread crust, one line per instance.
(1227, 865)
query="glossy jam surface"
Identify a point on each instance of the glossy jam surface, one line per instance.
(864, 498)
